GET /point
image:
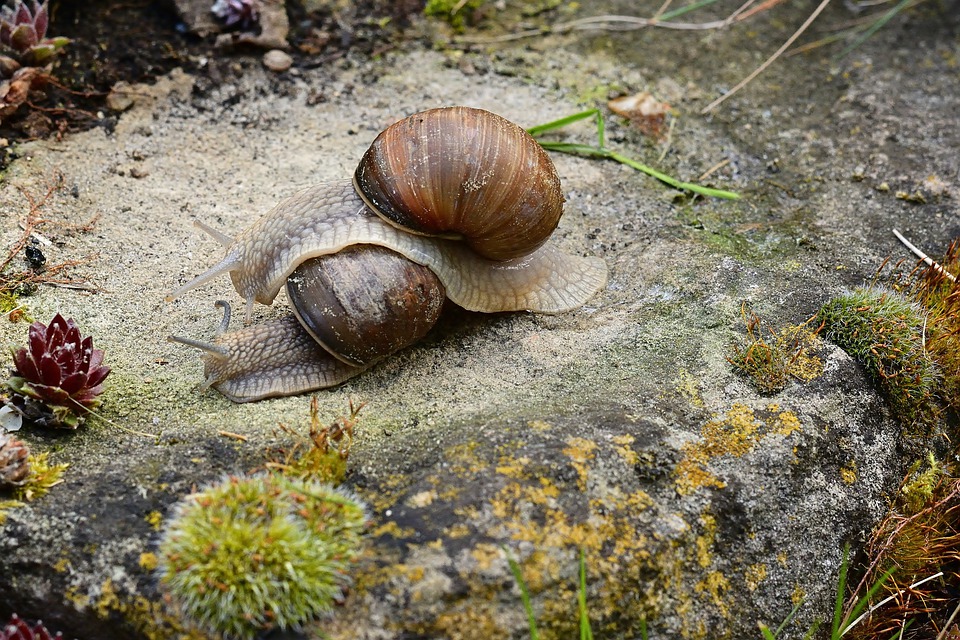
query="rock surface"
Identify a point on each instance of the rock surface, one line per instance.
(620, 430)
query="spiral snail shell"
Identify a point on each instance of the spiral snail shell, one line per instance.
(453, 203)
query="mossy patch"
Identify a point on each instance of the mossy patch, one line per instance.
(885, 332)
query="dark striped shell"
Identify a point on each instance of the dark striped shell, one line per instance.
(364, 302)
(463, 173)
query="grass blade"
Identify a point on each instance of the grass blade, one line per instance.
(562, 122)
(524, 595)
(841, 587)
(586, 633)
(882, 20)
(600, 151)
(765, 630)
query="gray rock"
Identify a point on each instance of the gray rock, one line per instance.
(620, 429)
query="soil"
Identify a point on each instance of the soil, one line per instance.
(138, 41)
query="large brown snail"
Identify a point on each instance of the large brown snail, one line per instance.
(451, 203)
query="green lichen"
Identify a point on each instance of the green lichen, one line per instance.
(257, 552)
(884, 331)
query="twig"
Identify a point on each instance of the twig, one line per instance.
(612, 22)
(770, 60)
(713, 169)
(924, 257)
(235, 436)
(946, 628)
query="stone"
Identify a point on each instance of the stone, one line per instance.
(277, 61)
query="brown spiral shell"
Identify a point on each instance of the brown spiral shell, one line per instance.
(463, 173)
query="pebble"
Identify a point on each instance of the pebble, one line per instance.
(276, 60)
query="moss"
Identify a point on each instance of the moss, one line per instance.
(770, 357)
(922, 480)
(885, 332)
(455, 12)
(257, 552)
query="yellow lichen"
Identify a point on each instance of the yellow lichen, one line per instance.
(154, 519)
(754, 575)
(848, 472)
(485, 555)
(715, 584)
(688, 386)
(735, 434)
(799, 595)
(422, 499)
(148, 561)
(512, 467)
(706, 540)
(581, 452)
(624, 450)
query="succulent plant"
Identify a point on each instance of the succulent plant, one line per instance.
(58, 375)
(253, 553)
(14, 461)
(17, 629)
(237, 12)
(23, 31)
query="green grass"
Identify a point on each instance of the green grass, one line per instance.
(601, 151)
(586, 633)
(842, 623)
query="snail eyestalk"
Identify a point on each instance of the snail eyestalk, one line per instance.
(229, 263)
(219, 236)
(198, 344)
(225, 323)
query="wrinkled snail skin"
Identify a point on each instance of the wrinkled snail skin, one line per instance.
(501, 201)
(267, 360)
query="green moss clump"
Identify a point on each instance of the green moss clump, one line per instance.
(884, 331)
(257, 552)
(453, 11)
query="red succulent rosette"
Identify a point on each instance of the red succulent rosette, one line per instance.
(60, 371)
(17, 629)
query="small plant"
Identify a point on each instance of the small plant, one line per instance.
(58, 376)
(14, 462)
(323, 455)
(885, 332)
(601, 151)
(770, 359)
(23, 38)
(843, 621)
(17, 629)
(252, 553)
(242, 13)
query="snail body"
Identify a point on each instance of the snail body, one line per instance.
(490, 255)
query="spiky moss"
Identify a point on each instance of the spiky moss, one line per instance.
(884, 331)
(256, 552)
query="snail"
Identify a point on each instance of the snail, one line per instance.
(453, 203)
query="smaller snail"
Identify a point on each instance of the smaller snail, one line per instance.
(453, 203)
